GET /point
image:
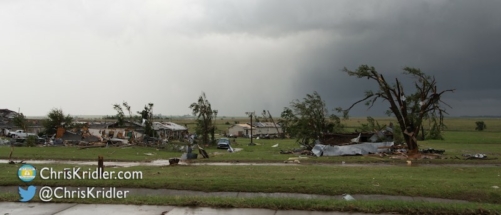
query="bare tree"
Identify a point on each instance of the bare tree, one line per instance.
(410, 110)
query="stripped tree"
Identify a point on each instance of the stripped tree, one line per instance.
(410, 110)
(147, 116)
(120, 115)
(203, 110)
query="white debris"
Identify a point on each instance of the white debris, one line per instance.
(348, 197)
(274, 146)
(357, 139)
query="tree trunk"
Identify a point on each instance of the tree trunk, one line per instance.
(410, 140)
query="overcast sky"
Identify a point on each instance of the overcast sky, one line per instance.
(84, 56)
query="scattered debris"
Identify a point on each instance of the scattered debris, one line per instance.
(149, 154)
(5, 141)
(348, 197)
(475, 156)
(274, 146)
(297, 152)
(292, 161)
(202, 152)
(356, 139)
(495, 187)
(95, 146)
(298, 158)
(173, 161)
(400, 157)
(431, 151)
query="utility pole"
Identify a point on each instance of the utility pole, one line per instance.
(250, 114)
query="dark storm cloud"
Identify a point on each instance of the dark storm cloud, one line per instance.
(247, 55)
(456, 41)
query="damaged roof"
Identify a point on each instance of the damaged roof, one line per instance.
(168, 126)
(6, 113)
(264, 124)
(245, 126)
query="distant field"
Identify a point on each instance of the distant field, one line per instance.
(453, 124)
(223, 122)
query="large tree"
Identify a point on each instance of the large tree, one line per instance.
(20, 121)
(309, 119)
(56, 119)
(205, 125)
(409, 109)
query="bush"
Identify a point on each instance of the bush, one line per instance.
(435, 133)
(398, 136)
(31, 141)
(480, 125)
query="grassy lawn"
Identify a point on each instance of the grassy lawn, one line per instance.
(263, 152)
(456, 143)
(460, 138)
(464, 183)
(74, 153)
(293, 204)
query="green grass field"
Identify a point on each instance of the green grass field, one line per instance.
(464, 183)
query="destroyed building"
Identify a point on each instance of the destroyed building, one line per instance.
(6, 123)
(169, 130)
(114, 130)
(7, 114)
(266, 128)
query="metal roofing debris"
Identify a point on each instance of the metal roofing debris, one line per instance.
(355, 149)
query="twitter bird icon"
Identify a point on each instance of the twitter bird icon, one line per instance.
(28, 194)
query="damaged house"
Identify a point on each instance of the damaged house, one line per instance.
(240, 130)
(266, 129)
(6, 124)
(259, 129)
(169, 130)
(128, 130)
(7, 114)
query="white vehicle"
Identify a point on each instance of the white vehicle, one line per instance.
(20, 134)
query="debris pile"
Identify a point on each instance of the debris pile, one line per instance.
(353, 149)
(297, 152)
(431, 151)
